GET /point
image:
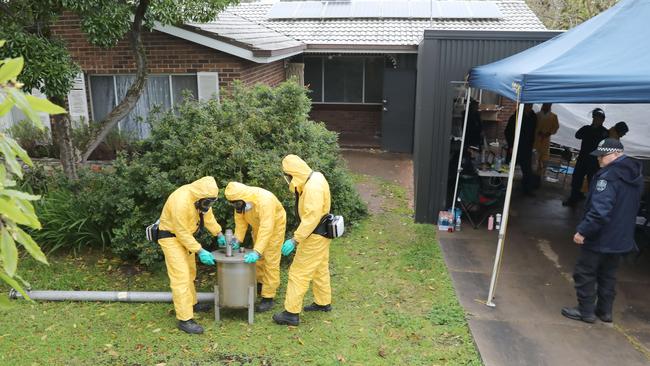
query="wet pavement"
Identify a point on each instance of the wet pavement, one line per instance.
(526, 327)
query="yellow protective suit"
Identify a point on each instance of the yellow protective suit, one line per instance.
(311, 262)
(181, 217)
(547, 125)
(268, 222)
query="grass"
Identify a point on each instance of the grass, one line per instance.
(392, 297)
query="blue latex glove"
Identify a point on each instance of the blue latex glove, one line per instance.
(206, 257)
(251, 257)
(288, 247)
(221, 240)
(235, 244)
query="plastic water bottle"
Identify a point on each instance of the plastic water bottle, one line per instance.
(228, 242)
(457, 219)
(497, 226)
(491, 223)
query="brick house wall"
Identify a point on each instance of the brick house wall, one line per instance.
(359, 125)
(165, 54)
(494, 130)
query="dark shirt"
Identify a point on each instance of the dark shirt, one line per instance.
(527, 138)
(610, 210)
(590, 136)
(474, 128)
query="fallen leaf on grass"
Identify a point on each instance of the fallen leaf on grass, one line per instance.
(156, 330)
(327, 322)
(161, 364)
(113, 353)
(340, 358)
(382, 353)
(44, 337)
(302, 343)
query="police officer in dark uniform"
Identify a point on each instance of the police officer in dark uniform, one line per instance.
(525, 150)
(586, 165)
(606, 231)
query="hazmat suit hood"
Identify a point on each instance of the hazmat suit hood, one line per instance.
(236, 191)
(204, 188)
(298, 170)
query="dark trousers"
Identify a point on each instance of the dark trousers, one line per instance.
(585, 166)
(595, 281)
(527, 177)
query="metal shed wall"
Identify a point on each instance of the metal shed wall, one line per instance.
(443, 57)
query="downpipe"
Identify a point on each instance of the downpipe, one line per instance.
(112, 296)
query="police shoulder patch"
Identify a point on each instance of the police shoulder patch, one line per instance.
(601, 184)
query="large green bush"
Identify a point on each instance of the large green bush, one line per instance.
(243, 138)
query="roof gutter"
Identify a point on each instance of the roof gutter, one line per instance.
(360, 48)
(226, 47)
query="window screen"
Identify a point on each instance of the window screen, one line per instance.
(103, 96)
(314, 77)
(182, 84)
(344, 79)
(374, 79)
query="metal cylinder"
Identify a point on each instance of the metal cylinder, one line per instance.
(228, 243)
(234, 278)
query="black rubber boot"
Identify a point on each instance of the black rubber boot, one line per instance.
(575, 314)
(265, 305)
(202, 307)
(286, 318)
(190, 326)
(604, 317)
(315, 307)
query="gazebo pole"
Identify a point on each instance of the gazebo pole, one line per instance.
(462, 146)
(506, 206)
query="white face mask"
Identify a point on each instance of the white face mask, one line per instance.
(248, 207)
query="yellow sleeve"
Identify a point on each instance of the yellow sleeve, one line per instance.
(184, 227)
(211, 223)
(555, 126)
(241, 226)
(312, 213)
(265, 229)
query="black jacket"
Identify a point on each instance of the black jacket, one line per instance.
(527, 138)
(611, 208)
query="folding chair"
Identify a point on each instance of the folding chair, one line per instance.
(476, 203)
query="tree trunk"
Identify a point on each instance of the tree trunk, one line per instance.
(135, 90)
(62, 135)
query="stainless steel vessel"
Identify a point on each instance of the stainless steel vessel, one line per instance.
(236, 283)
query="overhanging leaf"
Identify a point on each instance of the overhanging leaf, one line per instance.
(29, 244)
(6, 106)
(10, 210)
(11, 69)
(22, 154)
(2, 42)
(10, 158)
(23, 105)
(44, 105)
(20, 195)
(11, 282)
(9, 253)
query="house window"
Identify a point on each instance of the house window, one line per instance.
(160, 91)
(345, 79)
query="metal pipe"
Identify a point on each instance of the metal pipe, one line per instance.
(115, 296)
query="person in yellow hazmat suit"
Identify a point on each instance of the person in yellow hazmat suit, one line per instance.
(547, 125)
(311, 262)
(261, 210)
(187, 209)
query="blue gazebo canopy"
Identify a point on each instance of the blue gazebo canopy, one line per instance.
(603, 60)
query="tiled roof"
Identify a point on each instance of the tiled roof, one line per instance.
(320, 33)
(236, 30)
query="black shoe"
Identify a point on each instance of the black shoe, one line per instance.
(575, 314)
(190, 326)
(286, 318)
(265, 305)
(315, 307)
(569, 202)
(604, 317)
(202, 307)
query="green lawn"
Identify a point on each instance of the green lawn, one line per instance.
(392, 296)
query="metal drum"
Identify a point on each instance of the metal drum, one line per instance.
(236, 283)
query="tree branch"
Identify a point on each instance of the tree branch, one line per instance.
(135, 90)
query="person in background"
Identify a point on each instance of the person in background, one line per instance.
(188, 209)
(586, 165)
(619, 130)
(526, 142)
(474, 133)
(311, 262)
(547, 125)
(606, 231)
(261, 210)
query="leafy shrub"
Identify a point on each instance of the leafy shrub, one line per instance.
(36, 141)
(244, 138)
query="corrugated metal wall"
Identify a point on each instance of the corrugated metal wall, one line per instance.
(443, 57)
